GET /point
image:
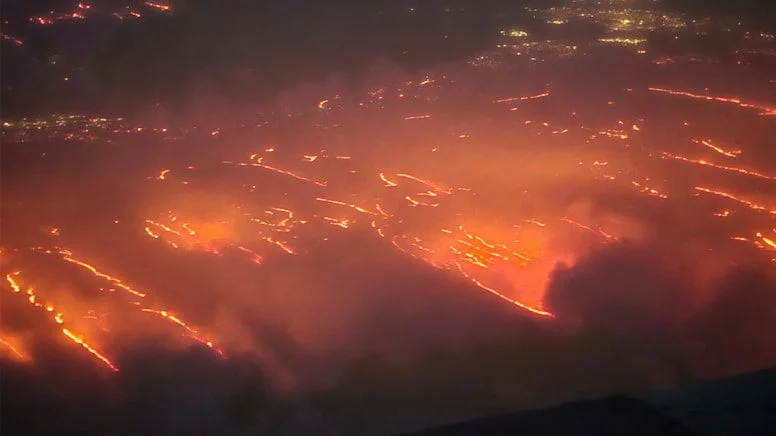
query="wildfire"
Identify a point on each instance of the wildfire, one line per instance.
(614, 134)
(15, 351)
(503, 234)
(729, 196)
(708, 143)
(387, 182)
(523, 98)
(598, 232)
(193, 333)
(647, 190)
(159, 6)
(764, 110)
(667, 155)
(341, 203)
(502, 296)
(66, 255)
(768, 241)
(435, 187)
(255, 258)
(282, 171)
(78, 340)
(57, 317)
(338, 222)
(280, 244)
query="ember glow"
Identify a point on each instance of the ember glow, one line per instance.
(528, 191)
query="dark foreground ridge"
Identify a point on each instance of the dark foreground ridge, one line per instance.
(741, 406)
